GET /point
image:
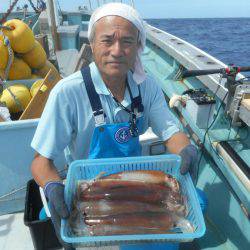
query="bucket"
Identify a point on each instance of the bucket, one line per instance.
(42, 231)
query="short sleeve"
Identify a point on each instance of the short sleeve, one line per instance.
(161, 119)
(55, 127)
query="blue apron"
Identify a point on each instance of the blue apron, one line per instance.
(117, 140)
(113, 140)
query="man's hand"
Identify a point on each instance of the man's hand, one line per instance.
(180, 144)
(189, 158)
(54, 191)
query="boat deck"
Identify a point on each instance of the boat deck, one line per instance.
(13, 233)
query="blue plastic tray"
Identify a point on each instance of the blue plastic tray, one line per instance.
(88, 169)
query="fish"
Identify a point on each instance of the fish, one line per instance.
(130, 202)
(132, 190)
(107, 208)
(142, 219)
(149, 222)
(148, 176)
(104, 230)
(106, 185)
(150, 193)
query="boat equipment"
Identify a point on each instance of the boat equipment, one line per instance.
(238, 91)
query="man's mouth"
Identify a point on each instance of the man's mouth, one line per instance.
(115, 62)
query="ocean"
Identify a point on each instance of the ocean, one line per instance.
(227, 39)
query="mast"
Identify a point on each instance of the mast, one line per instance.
(90, 4)
(53, 24)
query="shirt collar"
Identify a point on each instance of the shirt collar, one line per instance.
(102, 89)
(100, 86)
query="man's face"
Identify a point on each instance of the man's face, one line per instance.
(114, 46)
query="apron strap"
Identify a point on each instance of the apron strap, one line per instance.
(136, 102)
(94, 98)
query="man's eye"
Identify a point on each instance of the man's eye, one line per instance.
(108, 41)
(128, 42)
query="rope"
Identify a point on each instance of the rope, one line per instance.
(33, 6)
(59, 7)
(3, 19)
(10, 58)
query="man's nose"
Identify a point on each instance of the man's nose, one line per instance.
(117, 49)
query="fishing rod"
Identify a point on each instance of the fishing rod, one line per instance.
(231, 70)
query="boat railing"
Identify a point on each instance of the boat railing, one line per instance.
(31, 20)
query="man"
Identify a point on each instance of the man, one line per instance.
(100, 111)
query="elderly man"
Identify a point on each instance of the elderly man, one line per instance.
(101, 110)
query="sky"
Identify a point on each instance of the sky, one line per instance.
(168, 8)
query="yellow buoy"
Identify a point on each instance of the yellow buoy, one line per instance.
(21, 37)
(22, 94)
(19, 70)
(45, 69)
(2, 74)
(35, 87)
(34, 76)
(35, 58)
(3, 55)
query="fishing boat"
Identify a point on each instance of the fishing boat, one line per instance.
(210, 101)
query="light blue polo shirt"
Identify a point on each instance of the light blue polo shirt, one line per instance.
(67, 119)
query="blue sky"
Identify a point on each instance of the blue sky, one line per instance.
(170, 8)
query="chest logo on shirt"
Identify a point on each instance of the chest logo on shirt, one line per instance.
(122, 135)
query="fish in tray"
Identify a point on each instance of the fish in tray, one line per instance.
(119, 190)
(148, 176)
(108, 208)
(133, 202)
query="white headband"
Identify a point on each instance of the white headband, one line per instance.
(127, 12)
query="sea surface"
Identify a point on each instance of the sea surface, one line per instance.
(227, 39)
